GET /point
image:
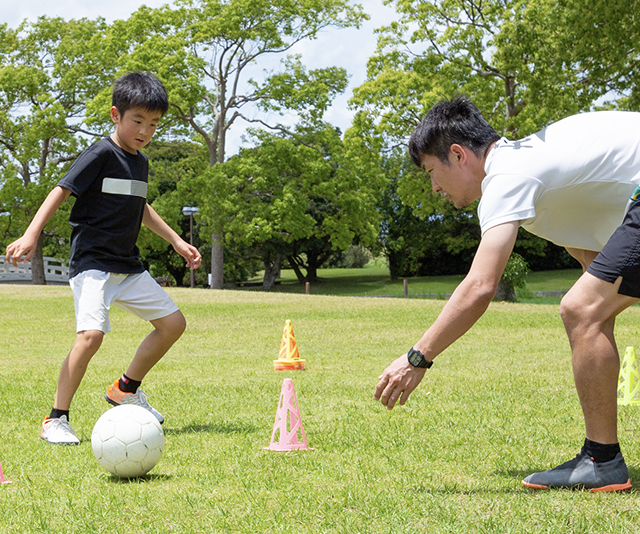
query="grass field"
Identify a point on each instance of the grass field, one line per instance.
(374, 280)
(496, 406)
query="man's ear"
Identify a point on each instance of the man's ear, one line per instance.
(457, 154)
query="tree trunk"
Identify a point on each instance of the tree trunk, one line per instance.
(271, 272)
(37, 264)
(314, 262)
(216, 155)
(505, 292)
(217, 262)
(296, 269)
(312, 272)
(178, 274)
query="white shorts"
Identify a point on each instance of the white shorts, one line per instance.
(94, 291)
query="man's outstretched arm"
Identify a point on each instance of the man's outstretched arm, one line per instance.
(467, 304)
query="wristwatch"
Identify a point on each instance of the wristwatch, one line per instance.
(417, 359)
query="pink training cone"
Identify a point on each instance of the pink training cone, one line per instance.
(293, 437)
(2, 479)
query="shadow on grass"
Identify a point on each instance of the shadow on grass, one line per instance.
(520, 474)
(139, 480)
(211, 428)
(455, 489)
(517, 474)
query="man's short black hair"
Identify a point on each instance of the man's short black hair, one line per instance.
(451, 122)
(139, 90)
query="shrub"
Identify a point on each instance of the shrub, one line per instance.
(514, 277)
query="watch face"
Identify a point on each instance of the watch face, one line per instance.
(415, 358)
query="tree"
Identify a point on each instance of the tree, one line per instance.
(169, 164)
(576, 55)
(48, 71)
(202, 50)
(524, 63)
(423, 234)
(514, 277)
(300, 199)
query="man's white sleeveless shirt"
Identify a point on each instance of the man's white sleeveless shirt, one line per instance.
(569, 183)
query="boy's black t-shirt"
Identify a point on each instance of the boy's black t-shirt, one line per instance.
(110, 186)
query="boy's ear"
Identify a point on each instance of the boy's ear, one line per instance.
(115, 115)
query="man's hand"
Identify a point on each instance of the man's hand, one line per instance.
(398, 382)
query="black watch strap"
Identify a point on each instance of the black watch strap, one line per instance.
(417, 359)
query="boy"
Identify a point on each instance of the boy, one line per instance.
(575, 183)
(109, 181)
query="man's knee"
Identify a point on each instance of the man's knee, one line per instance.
(575, 310)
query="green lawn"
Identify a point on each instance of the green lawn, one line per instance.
(374, 280)
(496, 406)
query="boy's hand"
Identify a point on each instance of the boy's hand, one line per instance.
(189, 253)
(24, 246)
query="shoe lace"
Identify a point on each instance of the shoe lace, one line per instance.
(60, 424)
(141, 398)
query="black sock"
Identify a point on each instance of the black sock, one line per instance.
(601, 452)
(56, 414)
(129, 385)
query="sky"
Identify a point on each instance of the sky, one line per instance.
(348, 48)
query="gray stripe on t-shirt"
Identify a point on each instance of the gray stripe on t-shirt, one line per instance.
(119, 186)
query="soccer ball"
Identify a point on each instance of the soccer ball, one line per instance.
(127, 441)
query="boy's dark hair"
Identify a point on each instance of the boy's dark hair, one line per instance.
(451, 122)
(139, 90)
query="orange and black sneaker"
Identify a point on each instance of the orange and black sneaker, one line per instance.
(117, 397)
(583, 472)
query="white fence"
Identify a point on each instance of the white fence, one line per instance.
(55, 270)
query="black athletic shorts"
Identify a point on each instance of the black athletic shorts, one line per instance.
(621, 255)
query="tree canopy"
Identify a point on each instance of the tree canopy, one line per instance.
(524, 63)
(305, 191)
(300, 198)
(49, 70)
(201, 50)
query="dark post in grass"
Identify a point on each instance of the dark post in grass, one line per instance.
(405, 283)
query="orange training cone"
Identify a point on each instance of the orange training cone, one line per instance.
(288, 411)
(2, 479)
(289, 358)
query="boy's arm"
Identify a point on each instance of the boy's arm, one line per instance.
(26, 245)
(154, 222)
(467, 304)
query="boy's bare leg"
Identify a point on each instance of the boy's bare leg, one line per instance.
(167, 331)
(75, 365)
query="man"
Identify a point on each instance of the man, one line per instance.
(574, 183)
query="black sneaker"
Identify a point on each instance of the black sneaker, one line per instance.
(584, 472)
